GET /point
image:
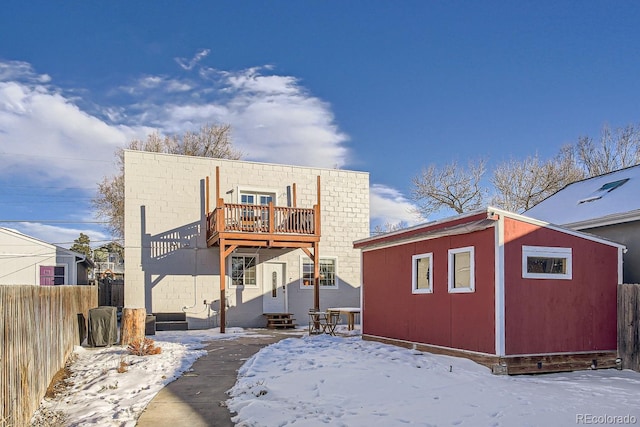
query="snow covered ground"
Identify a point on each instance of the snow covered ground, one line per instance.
(344, 381)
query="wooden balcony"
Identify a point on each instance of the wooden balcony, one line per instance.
(263, 225)
(232, 225)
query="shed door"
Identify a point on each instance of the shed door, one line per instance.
(274, 297)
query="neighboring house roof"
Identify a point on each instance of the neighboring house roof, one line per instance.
(606, 199)
(440, 228)
(57, 249)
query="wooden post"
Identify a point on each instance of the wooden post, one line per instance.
(316, 276)
(217, 182)
(294, 202)
(271, 218)
(316, 251)
(223, 298)
(133, 325)
(319, 210)
(629, 326)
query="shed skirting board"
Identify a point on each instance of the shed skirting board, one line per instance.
(520, 364)
(485, 359)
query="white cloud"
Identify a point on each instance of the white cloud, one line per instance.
(58, 235)
(189, 64)
(144, 86)
(390, 206)
(273, 118)
(20, 70)
(48, 134)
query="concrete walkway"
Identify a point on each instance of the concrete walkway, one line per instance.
(196, 399)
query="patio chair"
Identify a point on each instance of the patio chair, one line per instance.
(333, 318)
(316, 322)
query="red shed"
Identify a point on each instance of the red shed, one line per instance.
(513, 293)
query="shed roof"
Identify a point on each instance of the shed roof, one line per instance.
(602, 200)
(462, 224)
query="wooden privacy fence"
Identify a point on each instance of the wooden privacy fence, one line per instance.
(629, 326)
(111, 292)
(37, 336)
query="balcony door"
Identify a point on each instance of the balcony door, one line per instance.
(255, 218)
(274, 292)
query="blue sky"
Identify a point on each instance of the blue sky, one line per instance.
(378, 86)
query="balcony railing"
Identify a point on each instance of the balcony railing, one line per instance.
(232, 217)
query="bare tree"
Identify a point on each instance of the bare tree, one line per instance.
(615, 150)
(210, 141)
(389, 227)
(520, 185)
(450, 187)
(109, 204)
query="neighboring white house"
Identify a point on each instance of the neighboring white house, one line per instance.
(606, 205)
(25, 260)
(172, 252)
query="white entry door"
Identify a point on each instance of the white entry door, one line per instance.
(274, 293)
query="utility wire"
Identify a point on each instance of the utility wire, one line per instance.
(57, 157)
(53, 221)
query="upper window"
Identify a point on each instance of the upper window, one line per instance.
(541, 262)
(50, 275)
(461, 270)
(606, 188)
(252, 214)
(252, 198)
(328, 273)
(243, 270)
(422, 268)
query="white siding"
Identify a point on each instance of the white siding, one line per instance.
(21, 258)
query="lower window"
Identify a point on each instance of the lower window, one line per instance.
(328, 273)
(243, 270)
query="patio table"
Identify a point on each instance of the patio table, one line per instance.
(350, 312)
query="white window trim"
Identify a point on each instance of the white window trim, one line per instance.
(335, 261)
(230, 271)
(414, 274)
(472, 271)
(257, 191)
(550, 252)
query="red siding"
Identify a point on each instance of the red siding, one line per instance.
(462, 321)
(549, 316)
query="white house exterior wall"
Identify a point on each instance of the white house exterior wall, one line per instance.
(168, 267)
(627, 233)
(21, 257)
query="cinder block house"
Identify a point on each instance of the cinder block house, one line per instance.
(606, 205)
(511, 292)
(25, 260)
(228, 242)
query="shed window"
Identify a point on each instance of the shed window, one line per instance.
(461, 270)
(422, 272)
(542, 262)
